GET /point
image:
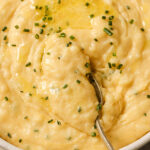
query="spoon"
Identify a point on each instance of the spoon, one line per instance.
(98, 92)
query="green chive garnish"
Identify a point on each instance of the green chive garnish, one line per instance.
(120, 66)
(26, 30)
(93, 134)
(108, 32)
(72, 37)
(65, 86)
(9, 135)
(148, 96)
(50, 121)
(4, 29)
(16, 26)
(37, 36)
(6, 98)
(28, 64)
(58, 122)
(78, 81)
(62, 35)
(79, 109)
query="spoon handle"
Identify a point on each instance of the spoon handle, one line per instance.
(102, 135)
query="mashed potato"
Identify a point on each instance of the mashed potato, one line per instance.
(47, 47)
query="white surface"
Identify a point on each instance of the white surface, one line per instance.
(134, 146)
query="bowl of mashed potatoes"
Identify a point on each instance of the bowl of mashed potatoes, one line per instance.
(47, 49)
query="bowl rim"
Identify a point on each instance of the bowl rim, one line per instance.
(4, 145)
(139, 143)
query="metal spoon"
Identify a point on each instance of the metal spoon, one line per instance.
(98, 92)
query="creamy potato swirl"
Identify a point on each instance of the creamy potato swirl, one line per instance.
(46, 50)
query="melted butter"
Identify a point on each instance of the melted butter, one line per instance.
(73, 13)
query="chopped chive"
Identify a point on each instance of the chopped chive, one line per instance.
(20, 140)
(111, 28)
(69, 138)
(58, 122)
(79, 109)
(113, 65)
(62, 35)
(28, 64)
(107, 31)
(59, 30)
(95, 126)
(87, 65)
(46, 10)
(44, 18)
(72, 37)
(41, 31)
(96, 40)
(120, 66)
(36, 24)
(40, 8)
(9, 135)
(142, 29)
(34, 87)
(93, 134)
(6, 98)
(111, 17)
(65, 86)
(50, 18)
(48, 53)
(16, 26)
(36, 7)
(110, 23)
(104, 17)
(131, 21)
(145, 114)
(114, 54)
(46, 98)
(148, 96)
(50, 121)
(4, 29)
(5, 38)
(91, 16)
(30, 94)
(13, 45)
(37, 36)
(68, 44)
(106, 11)
(46, 7)
(59, 1)
(26, 30)
(43, 26)
(109, 65)
(36, 130)
(26, 117)
(111, 43)
(34, 70)
(128, 7)
(78, 81)
(87, 4)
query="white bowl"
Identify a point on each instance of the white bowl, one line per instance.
(134, 146)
